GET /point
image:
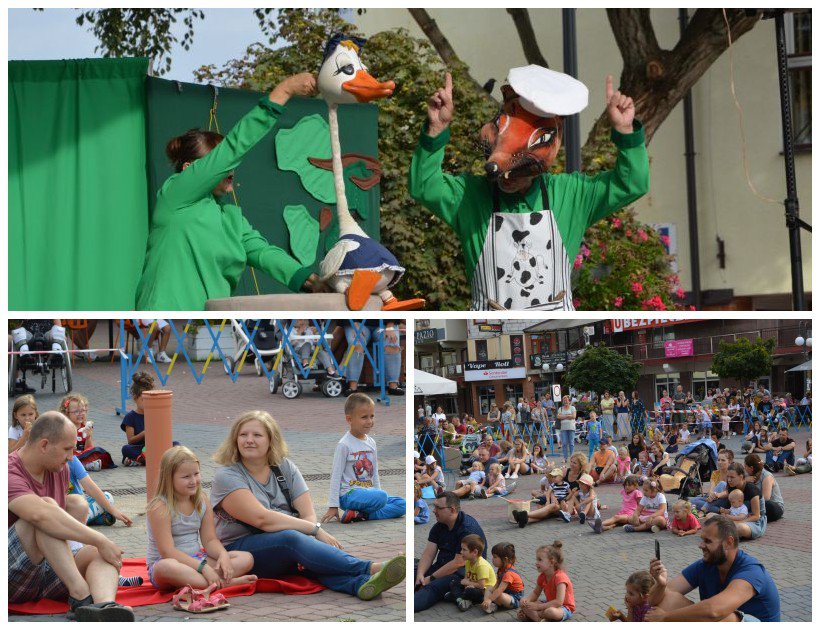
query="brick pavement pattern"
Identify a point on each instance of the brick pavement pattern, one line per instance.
(202, 414)
(598, 565)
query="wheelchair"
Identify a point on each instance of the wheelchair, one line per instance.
(44, 362)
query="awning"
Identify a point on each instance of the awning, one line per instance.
(426, 384)
(803, 367)
(559, 324)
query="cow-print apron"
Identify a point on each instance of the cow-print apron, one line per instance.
(523, 265)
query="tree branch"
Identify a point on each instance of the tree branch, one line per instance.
(532, 52)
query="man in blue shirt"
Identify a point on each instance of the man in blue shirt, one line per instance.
(733, 586)
(441, 558)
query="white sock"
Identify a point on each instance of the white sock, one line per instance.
(92, 355)
(56, 347)
(24, 348)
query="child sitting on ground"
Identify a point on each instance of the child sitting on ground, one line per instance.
(354, 477)
(478, 575)
(509, 587)
(554, 499)
(644, 465)
(738, 512)
(432, 475)
(75, 407)
(630, 495)
(183, 549)
(418, 465)
(684, 522)
(554, 583)
(134, 422)
(623, 462)
(471, 487)
(638, 586)
(421, 513)
(538, 461)
(651, 511)
(23, 414)
(587, 501)
(496, 484)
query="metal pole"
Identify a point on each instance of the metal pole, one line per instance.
(572, 127)
(791, 202)
(691, 188)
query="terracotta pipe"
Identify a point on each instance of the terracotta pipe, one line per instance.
(158, 433)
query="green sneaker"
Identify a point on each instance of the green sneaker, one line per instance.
(392, 572)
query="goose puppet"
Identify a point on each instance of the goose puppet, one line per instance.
(357, 265)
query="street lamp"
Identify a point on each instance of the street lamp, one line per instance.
(804, 343)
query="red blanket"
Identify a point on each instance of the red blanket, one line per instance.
(147, 594)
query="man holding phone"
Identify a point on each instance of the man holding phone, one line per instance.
(733, 586)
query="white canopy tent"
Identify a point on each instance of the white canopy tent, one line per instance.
(803, 367)
(426, 384)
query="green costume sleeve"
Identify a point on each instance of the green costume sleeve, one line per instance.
(273, 260)
(198, 179)
(579, 200)
(437, 191)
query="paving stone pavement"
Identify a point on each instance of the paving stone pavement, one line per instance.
(599, 565)
(202, 414)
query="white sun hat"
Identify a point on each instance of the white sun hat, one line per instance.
(545, 92)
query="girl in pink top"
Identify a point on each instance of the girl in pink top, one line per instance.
(623, 463)
(631, 494)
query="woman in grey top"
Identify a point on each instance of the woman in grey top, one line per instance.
(274, 519)
(767, 484)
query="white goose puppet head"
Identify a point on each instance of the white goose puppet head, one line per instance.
(357, 265)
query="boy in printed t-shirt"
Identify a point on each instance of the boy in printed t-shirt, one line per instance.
(354, 479)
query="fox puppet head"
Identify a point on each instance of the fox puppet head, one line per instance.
(524, 138)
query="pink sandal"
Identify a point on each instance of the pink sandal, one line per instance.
(196, 601)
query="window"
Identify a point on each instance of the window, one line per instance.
(426, 363)
(513, 392)
(449, 357)
(668, 381)
(481, 350)
(542, 388)
(486, 397)
(703, 382)
(798, 48)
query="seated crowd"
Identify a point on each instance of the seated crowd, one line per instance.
(259, 521)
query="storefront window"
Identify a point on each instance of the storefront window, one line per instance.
(449, 357)
(426, 363)
(542, 388)
(667, 381)
(486, 397)
(702, 382)
(512, 393)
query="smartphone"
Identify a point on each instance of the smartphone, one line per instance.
(657, 550)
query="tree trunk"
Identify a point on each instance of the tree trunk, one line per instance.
(658, 79)
(443, 47)
(532, 52)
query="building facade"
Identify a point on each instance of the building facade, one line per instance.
(440, 348)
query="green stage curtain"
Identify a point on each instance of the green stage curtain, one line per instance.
(78, 203)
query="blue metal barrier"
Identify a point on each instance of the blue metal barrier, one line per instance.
(129, 364)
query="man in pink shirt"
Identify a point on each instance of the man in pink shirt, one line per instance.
(41, 563)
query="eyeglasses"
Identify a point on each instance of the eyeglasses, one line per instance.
(78, 411)
(439, 507)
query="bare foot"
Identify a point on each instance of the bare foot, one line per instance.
(243, 579)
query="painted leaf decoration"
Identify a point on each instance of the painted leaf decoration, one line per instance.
(310, 137)
(304, 233)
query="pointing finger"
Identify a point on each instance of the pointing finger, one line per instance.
(448, 84)
(609, 88)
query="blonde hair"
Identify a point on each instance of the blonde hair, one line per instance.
(682, 504)
(496, 468)
(582, 460)
(416, 491)
(173, 458)
(622, 452)
(70, 397)
(228, 452)
(23, 401)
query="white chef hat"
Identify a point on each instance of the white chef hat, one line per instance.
(545, 92)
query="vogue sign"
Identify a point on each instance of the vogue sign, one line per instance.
(492, 370)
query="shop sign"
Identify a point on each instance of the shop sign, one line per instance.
(492, 371)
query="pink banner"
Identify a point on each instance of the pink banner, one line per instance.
(679, 348)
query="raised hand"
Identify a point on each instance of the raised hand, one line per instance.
(619, 107)
(440, 107)
(303, 84)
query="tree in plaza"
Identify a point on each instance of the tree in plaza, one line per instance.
(623, 263)
(600, 368)
(744, 359)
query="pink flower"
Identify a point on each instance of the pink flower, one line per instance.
(576, 302)
(643, 235)
(654, 303)
(618, 301)
(637, 287)
(692, 307)
(579, 260)
(628, 233)
(665, 240)
(680, 292)
(616, 223)
(585, 251)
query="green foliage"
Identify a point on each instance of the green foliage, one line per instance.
(422, 243)
(599, 368)
(141, 32)
(744, 359)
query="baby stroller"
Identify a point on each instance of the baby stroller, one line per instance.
(694, 463)
(290, 375)
(468, 444)
(44, 361)
(581, 432)
(265, 345)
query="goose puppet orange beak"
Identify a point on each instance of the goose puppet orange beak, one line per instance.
(365, 88)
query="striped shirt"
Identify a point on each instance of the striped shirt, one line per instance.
(560, 490)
